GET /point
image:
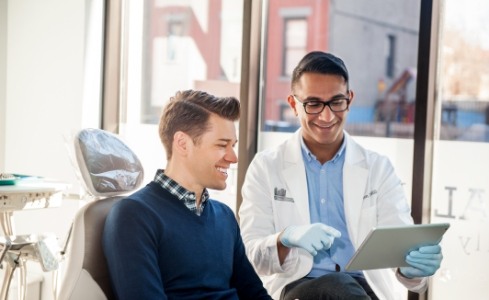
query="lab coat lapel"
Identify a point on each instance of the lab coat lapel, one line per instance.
(355, 177)
(295, 177)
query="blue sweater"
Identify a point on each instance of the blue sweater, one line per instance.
(156, 248)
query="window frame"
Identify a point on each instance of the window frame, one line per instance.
(251, 86)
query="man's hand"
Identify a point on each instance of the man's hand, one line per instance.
(423, 262)
(312, 237)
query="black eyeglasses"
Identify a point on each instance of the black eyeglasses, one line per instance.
(313, 107)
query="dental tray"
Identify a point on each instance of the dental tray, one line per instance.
(11, 179)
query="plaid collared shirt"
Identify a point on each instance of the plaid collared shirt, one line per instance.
(187, 197)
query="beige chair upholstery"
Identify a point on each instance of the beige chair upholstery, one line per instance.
(109, 169)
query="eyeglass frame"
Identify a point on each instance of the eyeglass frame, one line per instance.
(324, 103)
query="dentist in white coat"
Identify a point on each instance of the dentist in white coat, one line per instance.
(309, 202)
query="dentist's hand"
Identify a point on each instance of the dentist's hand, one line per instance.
(423, 262)
(312, 237)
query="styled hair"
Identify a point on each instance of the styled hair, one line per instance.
(189, 111)
(322, 63)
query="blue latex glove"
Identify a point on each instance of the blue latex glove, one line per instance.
(423, 262)
(312, 237)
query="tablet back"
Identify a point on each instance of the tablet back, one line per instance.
(387, 247)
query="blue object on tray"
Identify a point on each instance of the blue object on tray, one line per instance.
(13, 178)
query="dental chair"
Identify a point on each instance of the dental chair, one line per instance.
(109, 170)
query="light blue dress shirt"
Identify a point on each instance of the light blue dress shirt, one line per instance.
(325, 191)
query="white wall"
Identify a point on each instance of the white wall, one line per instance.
(44, 82)
(3, 61)
(45, 42)
(42, 72)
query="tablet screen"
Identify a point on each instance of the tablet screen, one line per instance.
(387, 247)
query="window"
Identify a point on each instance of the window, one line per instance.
(391, 56)
(383, 77)
(175, 34)
(462, 103)
(170, 46)
(460, 193)
(289, 25)
(295, 42)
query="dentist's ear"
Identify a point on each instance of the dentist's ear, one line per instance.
(351, 95)
(292, 104)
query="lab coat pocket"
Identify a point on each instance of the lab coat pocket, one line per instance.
(368, 215)
(283, 198)
(285, 214)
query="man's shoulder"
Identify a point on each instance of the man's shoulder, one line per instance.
(359, 153)
(291, 143)
(357, 148)
(142, 197)
(220, 207)
(142, 192)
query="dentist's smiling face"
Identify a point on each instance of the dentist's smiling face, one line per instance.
(322, 132)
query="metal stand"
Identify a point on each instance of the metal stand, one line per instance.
(12, 260)
(18, 249)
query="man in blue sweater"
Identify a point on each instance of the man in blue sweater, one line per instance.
(169, 240)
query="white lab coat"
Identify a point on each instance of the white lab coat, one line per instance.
(373, 195)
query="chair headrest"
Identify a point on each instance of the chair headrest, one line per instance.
(107, 166)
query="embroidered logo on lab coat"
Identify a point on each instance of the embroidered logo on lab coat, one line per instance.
(373, 192)
(279, 195)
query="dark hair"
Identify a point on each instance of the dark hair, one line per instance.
(322, 63)
(189, 111)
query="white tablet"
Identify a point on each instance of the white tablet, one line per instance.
(387, 247)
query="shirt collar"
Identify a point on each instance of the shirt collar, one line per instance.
(310, 156)
(176, 189)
